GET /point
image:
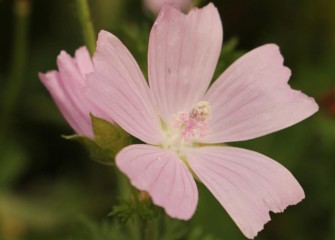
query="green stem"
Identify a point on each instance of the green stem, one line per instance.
(122, 184)
(86, 24)
(16, 76)
(143, 229)
(147, 230)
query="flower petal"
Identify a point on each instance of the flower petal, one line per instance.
(155, 5)
(84, 61)
(118, 88)
(183, 53)
(66, 88)
(252, 98)
(247, 184)
(163, 175)
(69, 111)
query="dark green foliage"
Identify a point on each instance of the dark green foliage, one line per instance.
(229, 54)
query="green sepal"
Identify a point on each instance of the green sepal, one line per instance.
(97, 153)
(108, 140)
(109, 136)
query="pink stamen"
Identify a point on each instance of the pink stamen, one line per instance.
(194, 124)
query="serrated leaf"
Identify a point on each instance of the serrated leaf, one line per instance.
(134, 208)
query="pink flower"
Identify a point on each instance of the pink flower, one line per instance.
(156, 5)
(66, 88)
(180, 118)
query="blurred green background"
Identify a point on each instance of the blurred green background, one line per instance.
(50, 189)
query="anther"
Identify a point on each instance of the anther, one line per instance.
(195, 123)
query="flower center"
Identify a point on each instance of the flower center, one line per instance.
(187, 127)
(194, 124)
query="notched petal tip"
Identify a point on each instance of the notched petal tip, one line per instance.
(253, 234)
(82, 48)
(210, 7)
(311, 106)
(63, 59)
(252, 98)
(48, 76)
(82, 51)
(170, 11)
(166, 12)
(44, 76)
(268, 50)
(63, 54)
(247, 184)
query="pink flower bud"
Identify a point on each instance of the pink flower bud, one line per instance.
(66, 88)
(155, 5)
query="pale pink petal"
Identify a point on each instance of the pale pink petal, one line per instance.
(69, 111)
(183, 53)
(119, 89)
(84, 61)
(252, 98)
(155, 5)
(247, 184)
(163, 175)
(66, 87)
